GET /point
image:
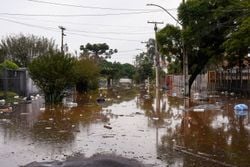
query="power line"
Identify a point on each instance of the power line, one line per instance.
(100, 37)
(89, 7)
(78, 34)
(78, 15)
(110, 32)
(77, 23)
(74, 30)
(30, 25)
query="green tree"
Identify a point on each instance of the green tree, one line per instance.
(238, 42)
(9, 65)
(144, 68)
(207, 25)
(22, 49)
(86, 73)
(108, 71)
(97, 50)
(170, 45)
(128, 71)
(52, 73)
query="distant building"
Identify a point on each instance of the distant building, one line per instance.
(125, 82)
(17, 81)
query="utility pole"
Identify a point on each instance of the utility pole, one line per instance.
(185, 65)
(157, 60)
(62, 29)
(185, 56)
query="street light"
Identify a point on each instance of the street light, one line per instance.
(185, 57)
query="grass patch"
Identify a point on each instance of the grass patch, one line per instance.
(8, 96)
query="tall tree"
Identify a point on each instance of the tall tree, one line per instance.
(22, 49)
(170, 45)
(86, 73)
(207, 24)
(97, 50)
(144, 67)
(52, 73)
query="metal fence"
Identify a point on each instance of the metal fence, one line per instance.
(175, 84)
(231, 80)
(17, 81)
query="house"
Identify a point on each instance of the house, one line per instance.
(125, 82)
(18, 81)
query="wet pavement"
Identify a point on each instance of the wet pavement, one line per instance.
(161, 131)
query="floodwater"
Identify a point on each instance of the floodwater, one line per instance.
(159, 130)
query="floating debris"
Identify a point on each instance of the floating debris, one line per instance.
(240, 107)
(24, 113)
(198, 109)
(70, 104)
(15, 103)
(107, 127)
(48, 128)
(42, 109)
(6, 109)
(2, 102)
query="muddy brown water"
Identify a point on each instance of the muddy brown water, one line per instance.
(162, 131)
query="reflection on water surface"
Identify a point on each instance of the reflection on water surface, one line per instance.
(157, 131)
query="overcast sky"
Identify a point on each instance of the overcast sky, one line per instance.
(122, 24)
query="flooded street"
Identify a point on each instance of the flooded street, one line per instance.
(157, 131)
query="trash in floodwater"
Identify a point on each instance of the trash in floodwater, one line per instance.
(100, 100)
(42, 109)
(107, 126)
(24, 113)
(240, 112)
(6, 109)
(70, 104)
(15, 103)
(48, 128)
(240, 107)
(198, 109)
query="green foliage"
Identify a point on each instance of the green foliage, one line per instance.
(144, 67)
(128, 71)
(170, 45)
(8, 96)
(238, 42)
(86, 74)
(207, 26)
(22, 49)
(52, 73)
(97, 50)
(116, 70)
(9, 65)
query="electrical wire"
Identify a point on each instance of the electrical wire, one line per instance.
(100, 37)
(89, 7)
(78, 15)
(29, 25)
(89, 32)
(116, 33)
(77, 23)
(78, 34)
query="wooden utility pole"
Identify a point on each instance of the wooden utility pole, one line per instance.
(185, 65)
(62, 29)
(157, 60)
